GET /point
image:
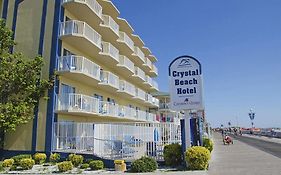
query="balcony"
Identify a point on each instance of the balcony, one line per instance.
(155, 102)
(77, 104)
(138, 56)
(154, 86)
(126, 44)
(109, 109)
(139, 75)
(126, 89)
(109, 81)
(151, 117)
(79, 68)
(127, 112)
(125, 66)
(109, 54)
(81, 36)
(148, 82)
(139, 95)
(141, 115)
(147, 66)
(89, 11)
(109, 28)
(148, 99)
(154, 71)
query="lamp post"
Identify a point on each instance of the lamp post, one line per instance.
(252, 117)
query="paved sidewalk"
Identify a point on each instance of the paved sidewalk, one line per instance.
(243, 159)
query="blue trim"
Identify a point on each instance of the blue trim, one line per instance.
(5, 9)
(183, 144)
(15, 17)
(55, 52)
(40, 52)
(185, 56)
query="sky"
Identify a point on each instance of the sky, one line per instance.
(238, 43)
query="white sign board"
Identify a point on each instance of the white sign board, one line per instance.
(185, 79)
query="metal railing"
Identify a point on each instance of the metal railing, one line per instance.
(123, 37)
(128, 141)
(92, 4)
(79, 64)
(109, 22)
(139, 73)
(155, 85)
(80, 28)
(149, 80)
(109, 49)
(77, 103)
(140, 94)
(109, 109)
(126, 62)
(155, 101)
(148, 62)
(139, 53)
(110, 79)
(127, 87)
(154, 69)
(148, 98)
(127, 112)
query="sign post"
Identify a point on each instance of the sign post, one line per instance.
(185, 83)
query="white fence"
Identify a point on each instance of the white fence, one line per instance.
(128, 141)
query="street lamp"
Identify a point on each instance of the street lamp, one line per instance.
(252, 117)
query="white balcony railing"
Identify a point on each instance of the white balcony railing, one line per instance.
(154, 69)
(127, 112)
(126, 62)
(139, 53)
(109, 22)
(92, 4)
(109, 109)
(148, 98)
(79, 64)
(155, 101)
(149, 80)
(155, 85)
(141, 115)
(123, 37)
(108, 78)
(148, 63)
(140, 94)
(109, 49)
(77, 103)
(151, 117)
(80, 28)
(127, 87)
(139, 73)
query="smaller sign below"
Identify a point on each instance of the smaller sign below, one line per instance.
(185, 80)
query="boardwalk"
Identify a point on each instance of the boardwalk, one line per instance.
(243, 159)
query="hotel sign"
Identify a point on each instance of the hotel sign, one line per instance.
(185, 79)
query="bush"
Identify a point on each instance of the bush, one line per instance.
(197, 158)
(208, 143)
(144, 164)
(18, 158)
(76, 159)
(40, 158)
(96, 165)
(54, 157)
(173, 155)
(65, 166)
(7, 163)
(27, 163)
(1, 166)
(84, 166)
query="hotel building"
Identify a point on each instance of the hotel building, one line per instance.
(104, 72)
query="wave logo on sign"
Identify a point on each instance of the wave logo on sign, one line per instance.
(184, 63)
